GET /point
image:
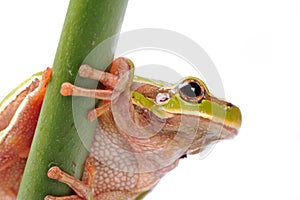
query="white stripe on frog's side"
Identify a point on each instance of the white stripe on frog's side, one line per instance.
(13, 95)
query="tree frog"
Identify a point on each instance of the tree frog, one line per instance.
(144, 128)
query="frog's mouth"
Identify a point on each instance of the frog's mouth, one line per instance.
(220, 118)
(212, 131)
(205, 129)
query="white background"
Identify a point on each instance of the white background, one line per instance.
(256, 48)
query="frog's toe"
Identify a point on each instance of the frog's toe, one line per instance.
(54, 173)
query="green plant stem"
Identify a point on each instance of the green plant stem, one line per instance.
(56, 141)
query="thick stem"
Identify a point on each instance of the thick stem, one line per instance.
(56, 140)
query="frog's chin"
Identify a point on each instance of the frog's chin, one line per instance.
(215, 132)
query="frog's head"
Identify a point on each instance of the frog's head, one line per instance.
(190, 114)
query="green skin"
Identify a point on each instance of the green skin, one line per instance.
(210, 107)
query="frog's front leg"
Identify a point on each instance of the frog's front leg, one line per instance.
(118, 79)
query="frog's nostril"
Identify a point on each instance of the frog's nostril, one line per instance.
(229, 104)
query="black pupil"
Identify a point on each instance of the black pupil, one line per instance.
(192, 89)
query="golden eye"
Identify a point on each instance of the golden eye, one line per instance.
(191, 91)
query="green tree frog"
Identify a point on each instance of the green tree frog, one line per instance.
(144, 128)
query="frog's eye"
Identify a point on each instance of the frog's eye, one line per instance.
(191, 91)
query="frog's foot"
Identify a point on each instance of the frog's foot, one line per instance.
(72, 197)
(116, 81)
(84, 190)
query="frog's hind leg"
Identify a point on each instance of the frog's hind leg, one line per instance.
(79, 187)
(72, 197)
(84, 189)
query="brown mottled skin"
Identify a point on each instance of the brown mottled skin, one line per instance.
(132, 147)
(15, 140)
